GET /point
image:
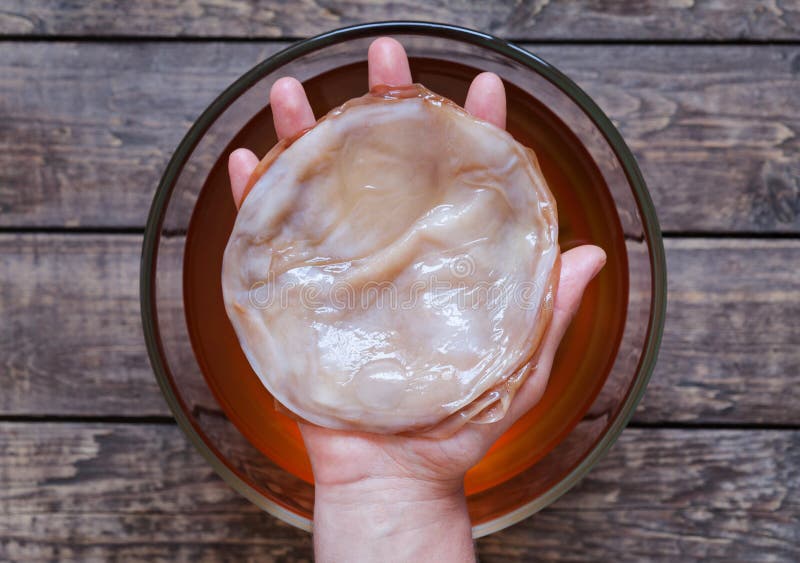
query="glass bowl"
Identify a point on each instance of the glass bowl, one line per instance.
(193, 197)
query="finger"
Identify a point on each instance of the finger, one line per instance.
(578, 267)
(388, 63)
(291, 111)
(241, 164)
(486, 99)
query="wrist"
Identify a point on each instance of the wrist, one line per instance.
(392, 519)
(375, 490)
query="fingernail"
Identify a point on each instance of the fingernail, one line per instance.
(600, 265)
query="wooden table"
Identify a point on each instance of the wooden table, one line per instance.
(94, 98)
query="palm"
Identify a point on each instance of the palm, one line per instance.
(347, 457)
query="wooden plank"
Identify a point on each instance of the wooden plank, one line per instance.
(89, 491)
(714, 129)
(529, 19)
(86, 129)
(85, 142)
(71, 341)
(133, 492)
(731, 348)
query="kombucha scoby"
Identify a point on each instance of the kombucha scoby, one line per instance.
(393, 268)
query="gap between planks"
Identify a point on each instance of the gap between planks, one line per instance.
(169, 421)
(12, 38)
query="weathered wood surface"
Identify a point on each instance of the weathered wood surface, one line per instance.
(86, 129)
(528, 19)
(71, 338)
(71, 341)
(732, 338)
(89, 491)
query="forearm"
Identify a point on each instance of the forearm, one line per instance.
(391, 520)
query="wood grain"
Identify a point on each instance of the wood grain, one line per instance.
(71, 339)
(86, 129)
(71, 342)
(86, 491)
(88, 125)
(529, 19)
(731, 341)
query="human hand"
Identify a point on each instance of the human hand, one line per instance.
(362, 474)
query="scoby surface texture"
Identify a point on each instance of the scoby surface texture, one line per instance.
(392, 269)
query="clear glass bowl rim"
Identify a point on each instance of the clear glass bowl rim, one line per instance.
(540, 66)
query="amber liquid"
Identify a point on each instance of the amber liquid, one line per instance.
(586, 215)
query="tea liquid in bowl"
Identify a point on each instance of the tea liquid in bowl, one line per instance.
(586, 215)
